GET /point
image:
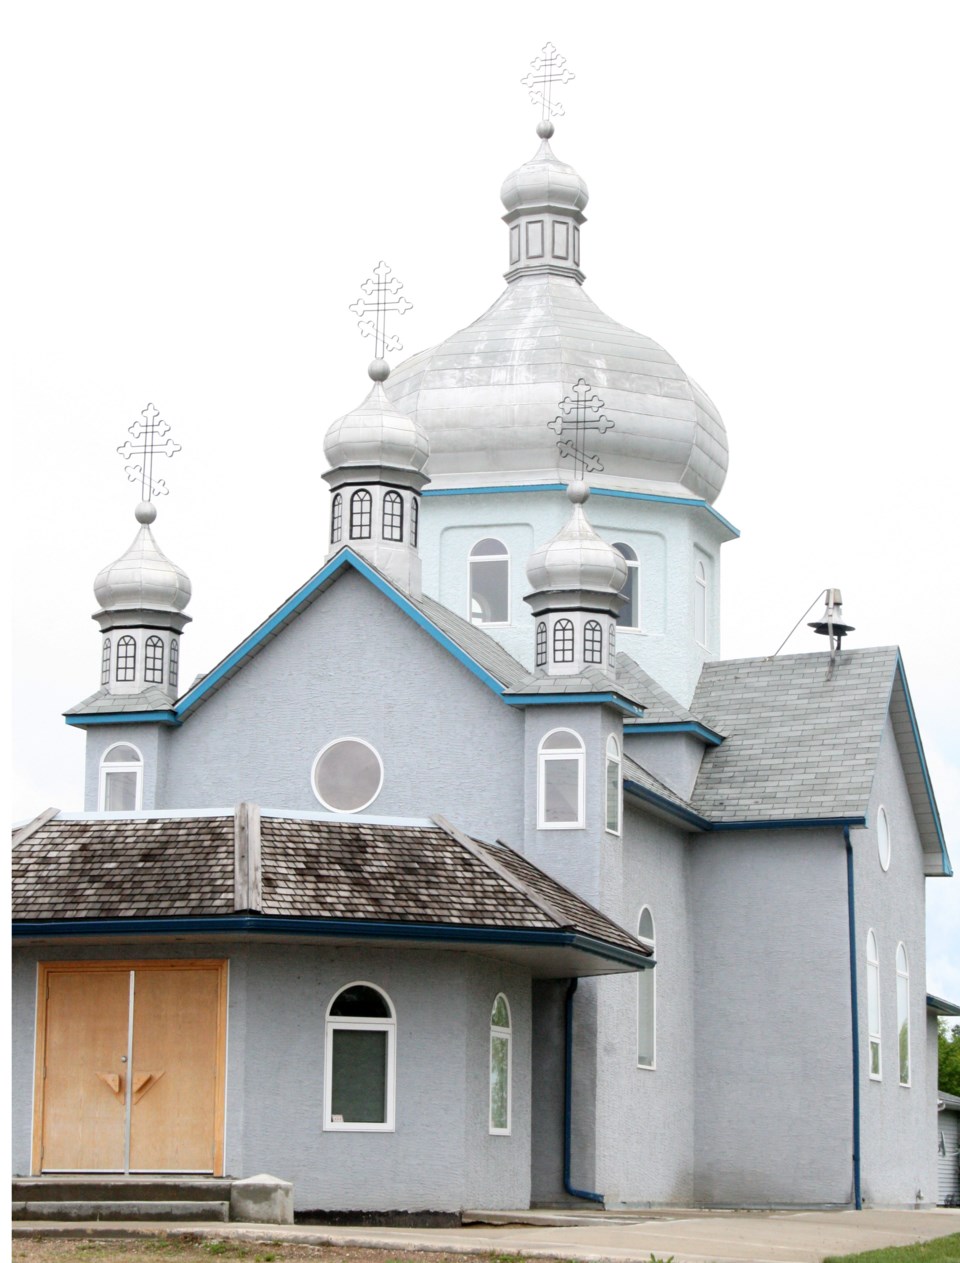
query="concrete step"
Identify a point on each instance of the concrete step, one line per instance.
(153, 1210)
(121, 1188)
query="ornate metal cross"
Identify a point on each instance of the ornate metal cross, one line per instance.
(580, 413)
(382, 295)
(549, 69)
(146, 434)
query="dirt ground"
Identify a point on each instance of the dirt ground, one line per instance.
(184, 1249)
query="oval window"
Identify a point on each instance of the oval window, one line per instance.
(347, 775)
(883, 839)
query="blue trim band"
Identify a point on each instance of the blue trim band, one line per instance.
(689, 816)
(595, 491)
(654, 729)
(947, 866)
(167, 717)
(322, 927)
(572, 699)
(664, 804)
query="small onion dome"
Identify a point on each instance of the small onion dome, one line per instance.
(544, 181)
(376, 434)
(143, 578)
(577, 559)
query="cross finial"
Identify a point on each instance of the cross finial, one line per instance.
(580, 413)
(548, 68)
(146, 445)
(381, 294)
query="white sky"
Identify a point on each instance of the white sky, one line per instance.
(200, 188)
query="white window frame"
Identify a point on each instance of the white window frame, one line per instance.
(614, 757)
(479, 561)
(504, 1033)
(128, 766)
(344, 811)
(874, 1036)
(633, 573)
(333, 1024)
(544, 757)
(883, 833)
(903, 1018)
(701, 611)
(647, 978)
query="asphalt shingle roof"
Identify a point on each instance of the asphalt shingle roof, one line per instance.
(803, 734)
(632, 771)
(104, 703)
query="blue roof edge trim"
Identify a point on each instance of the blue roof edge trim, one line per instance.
(345, 558)
(934, 809)
(698, 730)
(689, 816)
(572, 699)
(167, 717)
(595, 491)
(254, 923)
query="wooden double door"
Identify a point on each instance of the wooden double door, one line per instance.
(130, 1066)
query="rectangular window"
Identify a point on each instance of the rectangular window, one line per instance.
(561, 791)
(614, 796)
(359, 1076)
(646, 1018)
(535, 239)
(561, 239)
(120, 791)
(499, 1083)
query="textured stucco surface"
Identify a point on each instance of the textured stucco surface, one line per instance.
(772, 1099)
(898, 1152)
(441, 1155)
(673, 758)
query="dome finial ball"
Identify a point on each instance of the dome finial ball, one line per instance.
(578, 492)
(545, 129)
(145, 513)
(378, 370)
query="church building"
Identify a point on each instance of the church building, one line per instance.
(531, 898)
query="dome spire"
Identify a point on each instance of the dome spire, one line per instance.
(377, 455)
(142, 595)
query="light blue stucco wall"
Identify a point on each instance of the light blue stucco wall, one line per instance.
(773, 1096)
(668, 539)
(895, 1135)
(440, 1156)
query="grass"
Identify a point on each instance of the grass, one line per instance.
(939, 1250)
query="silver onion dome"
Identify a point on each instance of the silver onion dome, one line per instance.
(577, 559)
(143, 578)
(376, 433)
(544, 181)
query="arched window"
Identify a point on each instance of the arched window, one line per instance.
(126, 659)
(153, 660)
(592, 641)
(541, 644)
(560, 781)
(359, 1072)
(121, 778)
(174, 661)
(336, 519)
(489, 582)
(700, 604)
(563, 640)
(612, 645)
(647, 998)
(414, 521)
(614, 786)
(903, 1013)
(393, 516)
(361, 507)
(629, 615)
(883, 839)
(105, 661)
(873, 1004)
(500, 1067)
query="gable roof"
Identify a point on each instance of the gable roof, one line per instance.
(804, 734)
(319, 874)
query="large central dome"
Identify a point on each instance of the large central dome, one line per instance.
(485, 396)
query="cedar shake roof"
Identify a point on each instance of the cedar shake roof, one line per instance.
(321, 868)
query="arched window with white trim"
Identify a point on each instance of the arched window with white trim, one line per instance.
(105, 661)
(121, 778)
(560, 777)
(359, 1069)
(414, 521)
(903, 1014)
(541, 644)
(336, 519)
(592, 641)
(614, 786)
(873, 1006)
(883, 838)
(563, 640)
(629, 615)
(501, 1067)
(153, 660)
(700, 604)
(393, 516)
(126, 660)
(361, 510)
(174, 676)
(647, 998)
(489, 566)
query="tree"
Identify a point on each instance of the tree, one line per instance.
(948, 1058)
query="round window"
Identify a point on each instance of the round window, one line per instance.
(347, 775)
(883, 839)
